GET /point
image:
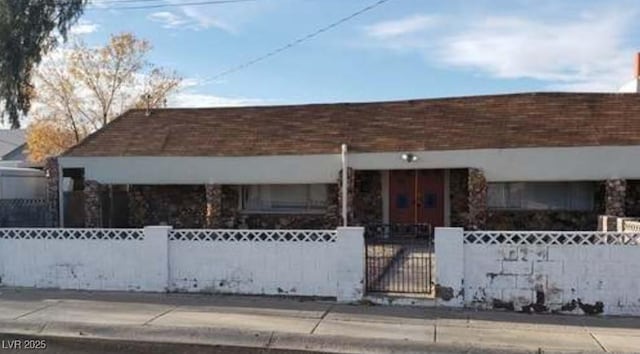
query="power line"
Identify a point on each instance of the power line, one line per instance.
(295, 42)
(120, 1)
(155, 6)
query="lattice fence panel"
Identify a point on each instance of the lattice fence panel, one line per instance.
(223, 235)
(71, 234)
(631, 226)
(550, 238)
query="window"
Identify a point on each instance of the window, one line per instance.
(285, 198)
(541, 195)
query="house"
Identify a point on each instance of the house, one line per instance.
(13, 147)
(17, 179)
(533, 161)
(22, 189)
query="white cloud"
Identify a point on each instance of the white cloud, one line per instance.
(403, 26)
(168, 19)
(207, 19)
(192, 99)
(84, 27)
(189, 19)
(190, 95)
(226, 17)
(584, 53)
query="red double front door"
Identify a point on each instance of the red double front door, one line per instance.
(416, 196)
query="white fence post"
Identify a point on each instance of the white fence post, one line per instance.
(349, 265)
(449, 250)
(156, 239)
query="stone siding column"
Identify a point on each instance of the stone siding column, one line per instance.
(350, 196)
(137, 207)
(52, 192)
(332, 213)
(615, 193)
(213, 214)
(92, 205)
(477, 200)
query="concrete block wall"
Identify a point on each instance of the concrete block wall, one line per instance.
(582, 279)
(289, 262)
(85, 259)
(302, 268)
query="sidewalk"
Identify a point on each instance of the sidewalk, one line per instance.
(321, 326)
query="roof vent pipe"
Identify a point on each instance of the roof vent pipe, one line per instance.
(147, 100)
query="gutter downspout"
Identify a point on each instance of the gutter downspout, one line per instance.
(344, 185)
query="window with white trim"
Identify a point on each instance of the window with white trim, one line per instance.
(284, 198)
(576, 196)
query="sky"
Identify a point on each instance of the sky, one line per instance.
(402, 49)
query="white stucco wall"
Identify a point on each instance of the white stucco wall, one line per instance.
(71, 259)
(541, 277)
(72, 262)
(201, 170)
(304, 268)
(562, 274)
(525, 164)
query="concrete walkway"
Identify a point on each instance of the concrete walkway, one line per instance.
(321, 326)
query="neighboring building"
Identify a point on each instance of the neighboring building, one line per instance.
(518, 161)
(17, 181)
(13, 146)
(22, 190)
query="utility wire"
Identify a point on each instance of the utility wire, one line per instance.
(295, 42)
(155, 6)
(95, 2)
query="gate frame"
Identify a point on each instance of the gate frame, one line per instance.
(398, 236)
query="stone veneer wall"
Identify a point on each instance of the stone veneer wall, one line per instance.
(213, 197)
(477, 189)
(547, 220)
(459, 197)
(182, 206)
(92, 204)
(52, 192)
(615, 191)
(367, 198)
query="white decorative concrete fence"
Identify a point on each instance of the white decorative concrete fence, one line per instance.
(632, 226)
(575, 272)
(158, 258)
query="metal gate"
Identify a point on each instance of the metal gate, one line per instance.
(399, 258)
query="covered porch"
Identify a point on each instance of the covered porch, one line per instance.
(438, 188)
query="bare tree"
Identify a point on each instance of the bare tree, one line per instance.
(82, 89)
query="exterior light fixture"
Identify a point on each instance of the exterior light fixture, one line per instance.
(409, 157)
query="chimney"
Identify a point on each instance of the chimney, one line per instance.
(633, 86)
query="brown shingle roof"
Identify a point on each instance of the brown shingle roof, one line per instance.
(500, 121)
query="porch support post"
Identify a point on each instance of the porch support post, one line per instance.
(214, 205)
(344, 187)
(477, 199)
(615, 193)
(92, 205)
(52, 173)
